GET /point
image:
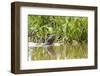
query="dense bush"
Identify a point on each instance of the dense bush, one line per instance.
(65, 28)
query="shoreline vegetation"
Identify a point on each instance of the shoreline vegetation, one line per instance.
(71, 34)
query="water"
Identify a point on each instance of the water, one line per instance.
(66, 51)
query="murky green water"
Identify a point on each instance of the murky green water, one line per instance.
(66, 51)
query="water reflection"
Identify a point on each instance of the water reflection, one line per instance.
(54, 52)
(51, 50)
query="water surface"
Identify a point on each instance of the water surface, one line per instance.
(66, 51)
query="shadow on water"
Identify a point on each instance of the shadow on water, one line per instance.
(66, 51)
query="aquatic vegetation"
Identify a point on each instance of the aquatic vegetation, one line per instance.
(71, 31)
